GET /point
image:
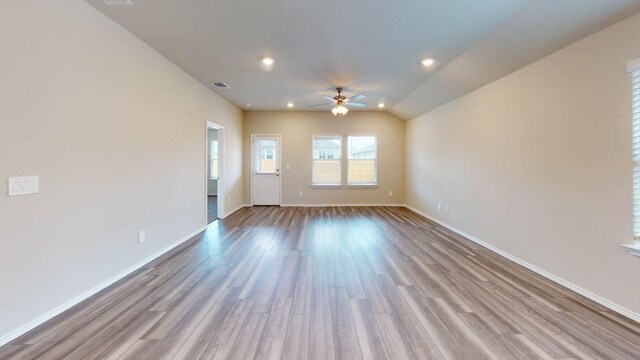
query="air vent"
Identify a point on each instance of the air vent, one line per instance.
(117, 2)
(221, 85)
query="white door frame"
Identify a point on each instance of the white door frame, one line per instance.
(278, 164)
(221, 169)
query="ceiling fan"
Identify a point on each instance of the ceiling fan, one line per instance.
(341, 102)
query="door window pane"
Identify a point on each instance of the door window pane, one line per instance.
(265, 156)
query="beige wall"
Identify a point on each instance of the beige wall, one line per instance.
(297, 128)
(117, 135)
(538, 164)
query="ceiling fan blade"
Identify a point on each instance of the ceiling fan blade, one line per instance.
(329, 98)
(356, 97)
(325, 104)
(356, 104)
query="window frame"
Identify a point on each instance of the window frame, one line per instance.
(375, 162)
(313, 160)
(634, 72)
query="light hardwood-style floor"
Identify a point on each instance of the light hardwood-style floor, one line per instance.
(325, 283)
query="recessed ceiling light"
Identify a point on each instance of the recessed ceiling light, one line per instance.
(381, 105)
(247, 105)
(289, 104)
(428, 61)
(267, 61)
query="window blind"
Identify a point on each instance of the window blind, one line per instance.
(636, 152)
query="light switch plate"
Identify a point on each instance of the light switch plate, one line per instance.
(23, 185)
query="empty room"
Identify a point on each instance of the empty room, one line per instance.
(336, 179)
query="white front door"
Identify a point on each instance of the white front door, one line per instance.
(265, 172)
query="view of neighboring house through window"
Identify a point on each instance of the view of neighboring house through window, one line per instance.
(327, 163)
(362, 160)
(266, 164)
(213, 155)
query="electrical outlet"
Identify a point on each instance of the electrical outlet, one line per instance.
(390, 193)
(229, 200)
(141, 237)
(288, 167)
(439, 205)
(300, 193)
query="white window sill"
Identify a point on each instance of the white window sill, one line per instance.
(326, 185)
(633, 249)
(365, 185)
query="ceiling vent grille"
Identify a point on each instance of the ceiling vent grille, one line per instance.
(221, 85)
(118, 2)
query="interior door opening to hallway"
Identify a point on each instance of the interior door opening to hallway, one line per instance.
(214, 188)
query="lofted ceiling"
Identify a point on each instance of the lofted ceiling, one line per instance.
(372, 47)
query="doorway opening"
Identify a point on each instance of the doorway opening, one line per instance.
(214, 172)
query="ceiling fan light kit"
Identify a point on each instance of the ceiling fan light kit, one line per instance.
(339, 110)
(341, 103)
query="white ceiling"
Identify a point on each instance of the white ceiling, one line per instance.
(368, 46)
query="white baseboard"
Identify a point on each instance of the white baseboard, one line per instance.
(586, 293)
(338, 205)
(85, 295)
(228, 213)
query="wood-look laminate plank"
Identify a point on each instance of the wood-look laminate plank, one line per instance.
(10, 351)
(321, 344)
(371, 343)
(395, 340)
(417, 335)
(345, 338)
(208, 328)
(220, 346)
(296, 340)
(325, 283)
(248, 338)
(273, 336)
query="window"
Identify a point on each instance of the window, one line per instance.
(634, 67)
(327, 162)
(266, 163)
(362, 160)
(213, 156)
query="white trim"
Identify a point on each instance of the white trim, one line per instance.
(234, 210)
(340, 205)
(586, 293)
(633, 65)
(320, 186)
(633, 249)
(4, 339)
